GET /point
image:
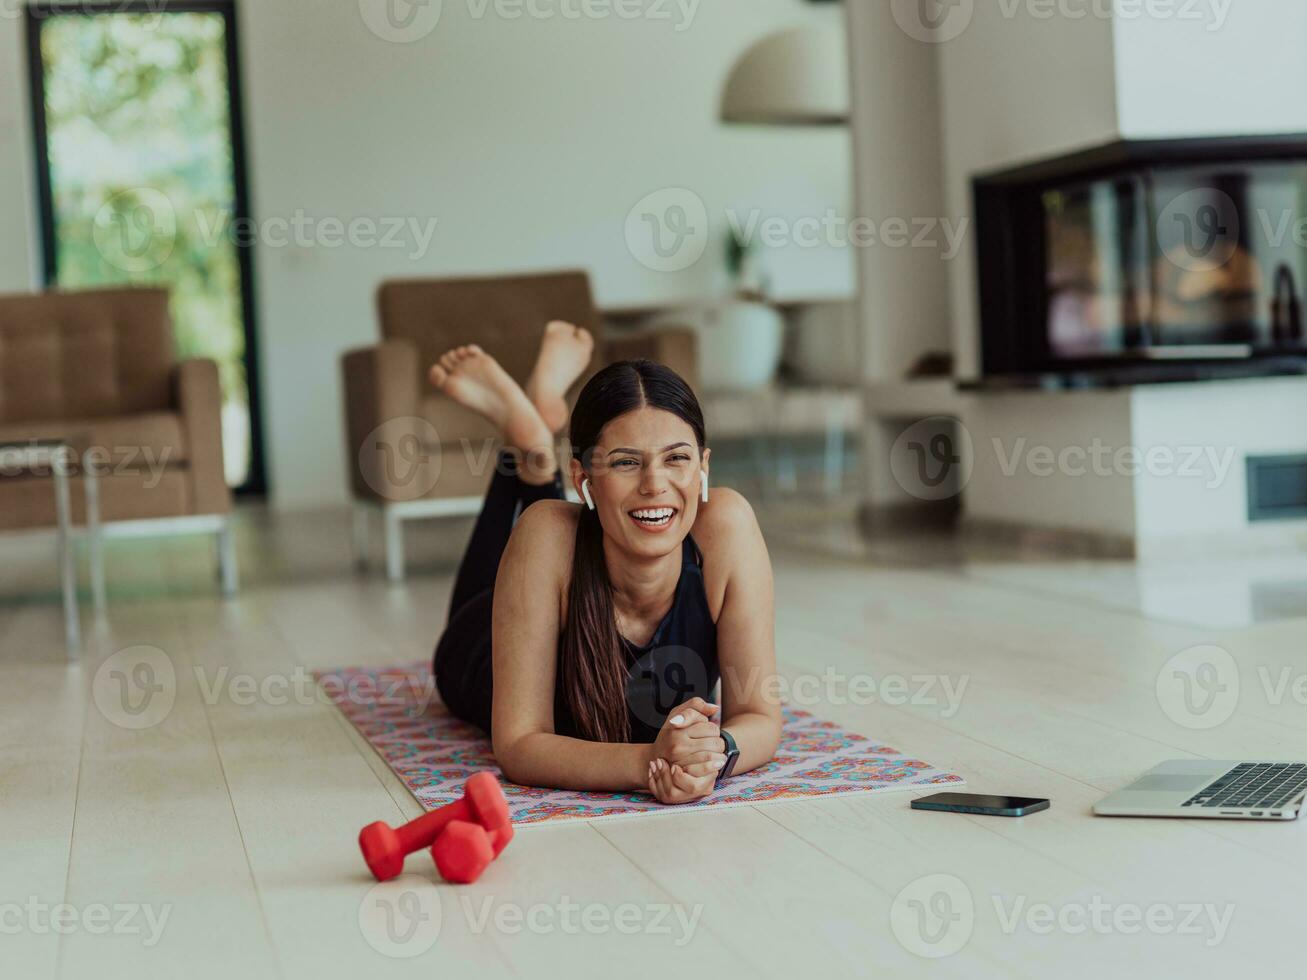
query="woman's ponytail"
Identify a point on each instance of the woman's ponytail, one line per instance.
(593, 668)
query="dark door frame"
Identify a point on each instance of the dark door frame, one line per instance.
(37, 12)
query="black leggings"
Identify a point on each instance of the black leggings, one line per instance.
(463, 654)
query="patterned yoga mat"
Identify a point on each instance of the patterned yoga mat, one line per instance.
(398, 711)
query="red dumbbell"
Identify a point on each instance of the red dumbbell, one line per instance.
(384, 848)
(464, 850)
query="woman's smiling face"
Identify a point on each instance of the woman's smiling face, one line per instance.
(645, 478)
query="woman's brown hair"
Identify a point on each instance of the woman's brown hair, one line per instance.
(592, 664)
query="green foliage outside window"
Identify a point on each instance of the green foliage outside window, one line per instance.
(140, 150)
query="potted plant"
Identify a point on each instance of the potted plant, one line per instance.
(740, 339)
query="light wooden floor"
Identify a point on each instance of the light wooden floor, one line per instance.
(236, 816)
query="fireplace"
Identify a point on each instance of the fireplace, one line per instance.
(1145, 261)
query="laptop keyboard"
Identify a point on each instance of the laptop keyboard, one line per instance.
(1255, 786)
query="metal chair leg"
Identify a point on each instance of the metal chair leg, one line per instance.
(67, 565)
(227, 559)
(360, 537)
(94, 541)
(394, 545)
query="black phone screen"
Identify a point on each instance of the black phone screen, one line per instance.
(979, 802)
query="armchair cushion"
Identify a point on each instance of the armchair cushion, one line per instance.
(27, 502)
(80, 355)
(675, 347)
(120, 442)
(96, 369)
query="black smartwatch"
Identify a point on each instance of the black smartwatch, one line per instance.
(732, 757)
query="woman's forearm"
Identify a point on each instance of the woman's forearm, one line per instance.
(544, 759)
(757, 735)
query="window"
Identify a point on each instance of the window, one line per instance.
(142, 178)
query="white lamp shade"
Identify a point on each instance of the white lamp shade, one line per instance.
(799, 77)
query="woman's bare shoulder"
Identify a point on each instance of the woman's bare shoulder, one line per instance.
(547, 527)
(726, 517)
(728, 535)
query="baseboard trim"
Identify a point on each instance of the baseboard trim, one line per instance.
(1065, 542)
(1286, 537)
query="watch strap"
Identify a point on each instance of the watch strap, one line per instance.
(732, 756)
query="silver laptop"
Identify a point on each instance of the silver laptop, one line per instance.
(1202, 788)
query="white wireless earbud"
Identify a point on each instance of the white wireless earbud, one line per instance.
(704, 474)
(585, 492)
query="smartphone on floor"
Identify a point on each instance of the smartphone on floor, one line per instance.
(994, 806)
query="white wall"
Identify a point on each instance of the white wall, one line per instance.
(1231, 67)
(1046, 460)
(528, 140)
(1235, 72)
(1211, 429)
(1015, 89)
(898, 174)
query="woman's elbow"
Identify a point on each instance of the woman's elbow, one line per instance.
(509, 755)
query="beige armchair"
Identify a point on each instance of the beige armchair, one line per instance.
(412, 453)
(96, 371)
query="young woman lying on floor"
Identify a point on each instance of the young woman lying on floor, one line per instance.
(588, 639)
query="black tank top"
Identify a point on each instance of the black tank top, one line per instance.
(678, 663)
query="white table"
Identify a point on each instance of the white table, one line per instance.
(59, 458)
(785, 410)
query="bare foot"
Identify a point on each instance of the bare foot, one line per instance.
(475, 380)
(564, 353)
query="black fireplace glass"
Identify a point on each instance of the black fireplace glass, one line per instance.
(1196, 260)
